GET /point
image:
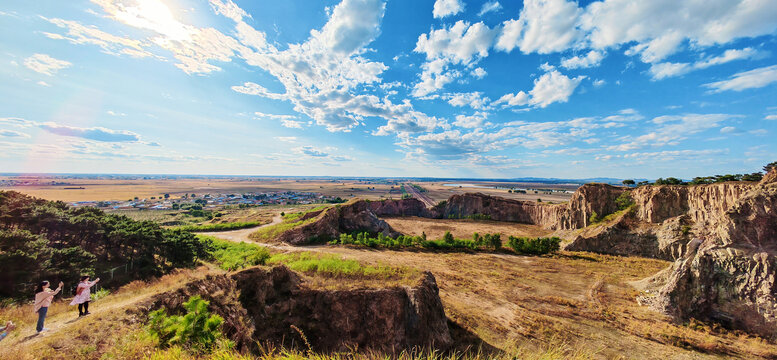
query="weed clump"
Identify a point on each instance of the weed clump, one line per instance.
(198, 329)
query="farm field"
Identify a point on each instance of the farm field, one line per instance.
(87, 189)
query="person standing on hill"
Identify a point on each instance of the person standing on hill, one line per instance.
(83, 295)
(43, 297)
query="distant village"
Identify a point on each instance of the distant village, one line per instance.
(210, 201)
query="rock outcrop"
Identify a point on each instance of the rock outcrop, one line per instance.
(729, 276)
(260, 304)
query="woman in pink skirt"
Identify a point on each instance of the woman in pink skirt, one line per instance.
(83, 295)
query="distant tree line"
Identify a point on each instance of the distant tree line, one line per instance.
(49, 240)
(756, 176)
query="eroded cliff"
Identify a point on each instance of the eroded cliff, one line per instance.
(260, 304)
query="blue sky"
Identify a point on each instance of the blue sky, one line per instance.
(446, 88)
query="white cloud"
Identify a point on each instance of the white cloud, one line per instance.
(250, 88)
(475, 100)
(292, 124)
(599, 82)
(471, 121)
(672, 129)
(310, 151)
(110, 44)
(728, 130)
(770, 117)
(553, 87)
(45, 64)
(115, 113)
(592, 59)
(443, 8)
(518, 99)
(352, 25)
(478, 73)
(660, 27)
(289, 139)
(261, 115)
(489, 7)
(667, 69)
(228, 9)
(93, 133)
(461, 44)
(664, 70)
(43, 83)
(756, 78)
(544, 26)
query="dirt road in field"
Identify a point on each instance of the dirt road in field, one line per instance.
(419, 195)
(241, 234)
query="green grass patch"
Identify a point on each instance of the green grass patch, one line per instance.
(219, 227)
(293, 217)
(332, 265)
(235, 256)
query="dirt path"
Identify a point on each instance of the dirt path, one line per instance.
(241, 234)
(419, 195)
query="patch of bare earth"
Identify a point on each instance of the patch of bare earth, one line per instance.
(581, 299)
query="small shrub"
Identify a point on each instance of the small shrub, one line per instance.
(197, 329)
(448, 237)
(594, 218)
(624, 200)
(99, 294)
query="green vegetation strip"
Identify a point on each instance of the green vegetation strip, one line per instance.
(235, 256)
(527, 246)
(219, 227)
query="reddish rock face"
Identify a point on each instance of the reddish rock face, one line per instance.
(263, 304)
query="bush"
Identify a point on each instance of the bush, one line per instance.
(624, 200)
(534, 246)
(448, 237)
(219, 227)
(198, 329)
(594, 218)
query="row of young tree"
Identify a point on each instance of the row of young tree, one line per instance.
(50, 240)
(699, 180)
(521, 245)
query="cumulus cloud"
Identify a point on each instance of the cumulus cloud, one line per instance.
(45, 64)
(443, 8)
(756, 78)
(592, 59)
(471, 121)
(770, 117)
(490, 6)
(462, 44)
(475, 100)
(549, 88)
(352, 25)
(544, 26)
(478, 73)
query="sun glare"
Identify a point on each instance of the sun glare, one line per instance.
(153, 15)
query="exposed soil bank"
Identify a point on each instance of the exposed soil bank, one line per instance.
(261, 304)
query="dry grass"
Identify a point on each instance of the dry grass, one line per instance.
(464, 229)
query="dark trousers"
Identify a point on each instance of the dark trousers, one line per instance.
(41, 318)
(85, 307)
